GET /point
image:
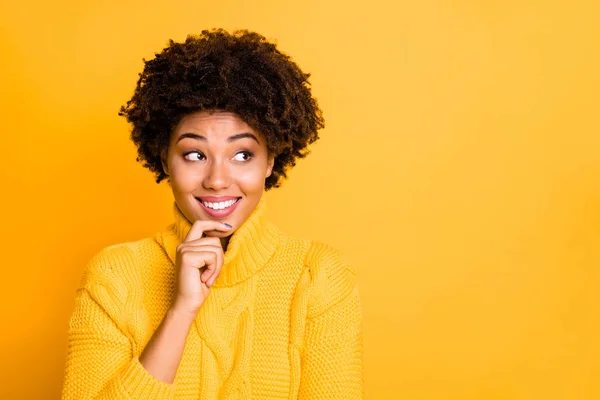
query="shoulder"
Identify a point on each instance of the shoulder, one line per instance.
(333, 279)
(114, 266)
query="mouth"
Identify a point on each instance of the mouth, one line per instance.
(219, 209)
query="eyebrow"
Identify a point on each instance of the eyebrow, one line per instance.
(229, 139)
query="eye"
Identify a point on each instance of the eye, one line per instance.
(193, 153)
(248, 155)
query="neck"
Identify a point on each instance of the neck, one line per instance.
(225, 242)
(246, 250)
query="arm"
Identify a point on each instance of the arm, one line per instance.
(332, 360)
(162, 354)
(100, 364)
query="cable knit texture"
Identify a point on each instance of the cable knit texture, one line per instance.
(282, 321)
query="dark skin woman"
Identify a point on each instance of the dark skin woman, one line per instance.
(223, 304)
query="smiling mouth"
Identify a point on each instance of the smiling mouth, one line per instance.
(221, 205)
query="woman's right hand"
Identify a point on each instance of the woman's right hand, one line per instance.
(198, 263)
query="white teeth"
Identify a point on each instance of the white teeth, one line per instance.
(221, 205)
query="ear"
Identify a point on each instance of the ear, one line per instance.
(163, 161)
(270, 163)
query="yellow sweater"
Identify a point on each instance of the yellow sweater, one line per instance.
(282, 321)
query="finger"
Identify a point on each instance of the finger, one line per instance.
(207, 244)
(217, 272)
(206, 275)
(211, 260)
(199, 226)
(188, 246)
(199, 259)
(210, 256)
(218, 261)
(212, 264)
(212, 274)
(208, 240)
(205, 289)
(212, 279)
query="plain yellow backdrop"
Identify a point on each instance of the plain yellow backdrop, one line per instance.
(458, 172)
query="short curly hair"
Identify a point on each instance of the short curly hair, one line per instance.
(239, 72)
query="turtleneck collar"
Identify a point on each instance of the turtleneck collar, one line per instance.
(249, 248)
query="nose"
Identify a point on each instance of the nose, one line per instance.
(217, 176)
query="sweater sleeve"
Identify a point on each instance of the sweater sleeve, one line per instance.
(100, 362)
(332, 361)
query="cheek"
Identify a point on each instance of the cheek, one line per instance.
(183, 179)
(251, 180)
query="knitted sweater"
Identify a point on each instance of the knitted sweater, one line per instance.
(282, 321)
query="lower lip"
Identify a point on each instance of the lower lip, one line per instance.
(220, 213)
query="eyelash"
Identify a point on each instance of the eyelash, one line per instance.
(249, 153)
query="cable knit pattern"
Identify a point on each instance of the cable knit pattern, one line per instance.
(282, 321)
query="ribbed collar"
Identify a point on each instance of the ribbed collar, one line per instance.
(248, 250)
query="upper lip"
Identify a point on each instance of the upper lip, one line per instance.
(214, 199)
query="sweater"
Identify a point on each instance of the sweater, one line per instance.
(282, 321)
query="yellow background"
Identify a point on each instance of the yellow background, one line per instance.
(459, 173)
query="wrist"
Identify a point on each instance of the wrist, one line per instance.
(181, 309)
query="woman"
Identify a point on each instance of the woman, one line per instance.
(223, 304)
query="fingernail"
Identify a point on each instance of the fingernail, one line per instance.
(227, 225)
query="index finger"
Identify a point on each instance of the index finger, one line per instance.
(200, 226)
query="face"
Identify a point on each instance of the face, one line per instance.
(214, 160)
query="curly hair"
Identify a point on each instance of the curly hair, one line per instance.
(239, 72)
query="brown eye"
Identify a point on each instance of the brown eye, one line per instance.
(248, 156)
(200, 155)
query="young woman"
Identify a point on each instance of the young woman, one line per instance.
(222, 304)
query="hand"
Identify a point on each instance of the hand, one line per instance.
(198, 263)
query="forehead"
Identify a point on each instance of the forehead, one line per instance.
(213, 122)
